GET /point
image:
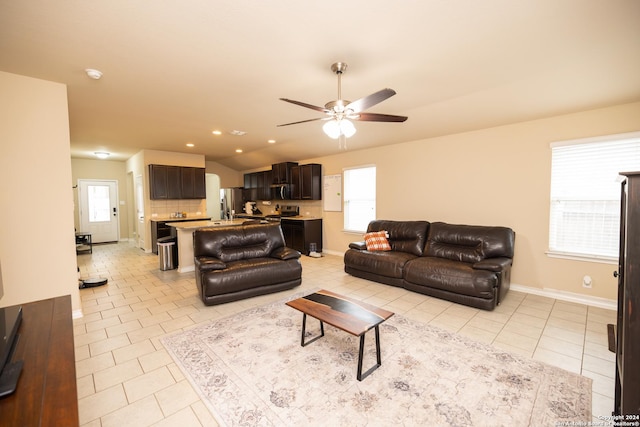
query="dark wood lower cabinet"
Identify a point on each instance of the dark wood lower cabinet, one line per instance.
(300, 233)
(46, 394)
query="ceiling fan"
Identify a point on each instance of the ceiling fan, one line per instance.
(340, 112)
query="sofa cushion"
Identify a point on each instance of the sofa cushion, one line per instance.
(404, 236)
(384, 263)
(377, 241)
(469, 243)
(249, 273)
(234, 243)
(453, 276)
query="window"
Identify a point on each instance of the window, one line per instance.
(585, 194)
(359, 198)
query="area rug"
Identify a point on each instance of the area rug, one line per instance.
(251, 370)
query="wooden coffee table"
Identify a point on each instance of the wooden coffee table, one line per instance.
(350, 315)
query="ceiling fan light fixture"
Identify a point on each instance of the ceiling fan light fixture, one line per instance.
(332, 129)
(347, 128)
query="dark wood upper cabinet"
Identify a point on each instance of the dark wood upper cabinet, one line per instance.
(176, 182)
(281, 172)
(311, 181)
(294, 187)
(306, 182)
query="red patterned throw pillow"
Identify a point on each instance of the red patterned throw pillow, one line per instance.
(377, 241)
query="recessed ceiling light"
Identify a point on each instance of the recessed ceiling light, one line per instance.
(216, 132)
(271, 141)
(190, 145)
(237, 132)
(102, 154)
(93, 74)
(238, 150)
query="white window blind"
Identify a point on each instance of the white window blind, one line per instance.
(585, 194)
(359, 198)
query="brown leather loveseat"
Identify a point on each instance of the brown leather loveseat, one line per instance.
(237, 262)
(467, 264)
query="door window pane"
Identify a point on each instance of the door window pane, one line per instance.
(99, 203)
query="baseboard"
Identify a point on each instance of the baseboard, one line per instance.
(567, 296)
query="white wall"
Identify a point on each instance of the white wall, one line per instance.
(37, 244)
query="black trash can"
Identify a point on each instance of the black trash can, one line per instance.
(168, 253)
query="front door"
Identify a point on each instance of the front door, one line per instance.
(98, 214)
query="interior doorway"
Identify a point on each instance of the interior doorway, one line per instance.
(213, 195)
(98, 209)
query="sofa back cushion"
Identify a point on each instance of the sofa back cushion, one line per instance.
(233, 243)
(469, 243)
(404, 236)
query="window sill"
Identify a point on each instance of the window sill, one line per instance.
(583, 257)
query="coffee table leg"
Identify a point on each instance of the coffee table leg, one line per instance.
(360, 375)
(304, 327)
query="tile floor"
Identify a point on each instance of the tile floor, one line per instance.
(126, 378)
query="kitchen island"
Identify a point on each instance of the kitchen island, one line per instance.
(184, 233)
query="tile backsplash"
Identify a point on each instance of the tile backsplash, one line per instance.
(164, 208)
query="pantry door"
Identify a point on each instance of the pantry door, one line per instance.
(98, 209)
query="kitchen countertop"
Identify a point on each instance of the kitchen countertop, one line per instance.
(189, 218)
(297, 217)
(188, 225)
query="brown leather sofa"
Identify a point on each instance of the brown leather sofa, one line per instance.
(466, 264)
(237, 262)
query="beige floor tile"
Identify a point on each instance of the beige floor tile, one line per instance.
(94, 364)
(99, 404)
(176, 397)
(117, 374)
(203, 414)
(599, 366)
(144, 412)
(184, 418)
(556, 359)
(147, 384)
(512, 339)
(109, 344)
(155, 360)
(561, 346)
(133, 351)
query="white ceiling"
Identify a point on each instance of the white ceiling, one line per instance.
(176, 70)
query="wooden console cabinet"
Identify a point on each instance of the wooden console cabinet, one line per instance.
(46, 394)
(627, 383)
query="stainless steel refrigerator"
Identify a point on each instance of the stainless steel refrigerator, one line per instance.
(230, 202)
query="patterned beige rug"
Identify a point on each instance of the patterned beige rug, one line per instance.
(251, 370)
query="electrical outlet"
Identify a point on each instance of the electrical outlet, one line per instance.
(587, 282)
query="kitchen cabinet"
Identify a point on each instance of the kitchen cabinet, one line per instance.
(176, 182)
(192, 183)
(160, 229)
(306, 182)
(299, 233)
(281, 172)
(257, 185)
(627, 344)
(311, 182)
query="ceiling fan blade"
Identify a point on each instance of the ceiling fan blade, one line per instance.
(370, 100)
(302, 121)
(302, 104)
(375, 117)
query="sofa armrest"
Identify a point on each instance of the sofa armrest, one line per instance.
(493, 264)
(284, 253)
(360, 246)
(206, 263)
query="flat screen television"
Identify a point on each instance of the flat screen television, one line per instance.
(10, 318)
